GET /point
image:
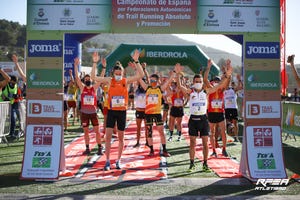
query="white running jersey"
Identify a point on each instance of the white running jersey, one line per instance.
(140, 100)
(230, 98)
(198, 103)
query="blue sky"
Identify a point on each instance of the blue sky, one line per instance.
(15, 10)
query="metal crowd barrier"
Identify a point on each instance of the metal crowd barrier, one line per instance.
(22, 108)
(4, 120)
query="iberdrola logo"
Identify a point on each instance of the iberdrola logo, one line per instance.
(289, 120)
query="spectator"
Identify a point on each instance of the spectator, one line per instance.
(12, 93)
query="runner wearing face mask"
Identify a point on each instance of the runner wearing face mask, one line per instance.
(154, 92)
(117, 103)
(88, 107)
(216, 110)
(198, 121)
(176, 112)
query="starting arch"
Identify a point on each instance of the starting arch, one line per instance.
(55, 30)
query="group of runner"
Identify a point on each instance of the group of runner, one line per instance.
(203, 98)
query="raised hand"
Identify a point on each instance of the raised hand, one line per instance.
(103, 62)
(136, 54)
(96, 57)
(228, 68)
(291, 59)
(76, 61)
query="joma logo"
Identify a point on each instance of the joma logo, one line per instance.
(45, 48)
(262, 50)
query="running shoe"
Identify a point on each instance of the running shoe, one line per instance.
(136, 145)
(107, 166)
(100, 151)
(86, 152)
(166, 154)
(205, 168)
(146, 144)
(118, 164)
(151, 153)
(179, 138)
(224, 152)
(192, 167)
(170, 139)
(236, 139)
(214, 154)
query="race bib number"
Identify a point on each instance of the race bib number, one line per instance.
(141, 99)
(66, 96)
(229, 102)
(117, 101)
(88, 100)
(71, 97)
(217, 103)
(198, 109)
(178, 102)
(153, 99)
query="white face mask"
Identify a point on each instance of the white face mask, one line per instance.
(215, 84)
(198, 86)
(118, 77)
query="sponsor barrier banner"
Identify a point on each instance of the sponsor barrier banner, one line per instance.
(155, 16)
(239, 18)
(44, 108)
(291, 118)
(263, 109)
(44, 78)
(264, 152)
(262, 80)
(42, 147)
(261, 50)
(45, 48)
(69, 17)
(263, 149)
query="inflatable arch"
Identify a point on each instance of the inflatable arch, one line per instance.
(166, 55)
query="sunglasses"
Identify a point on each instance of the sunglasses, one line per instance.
(117, 68)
